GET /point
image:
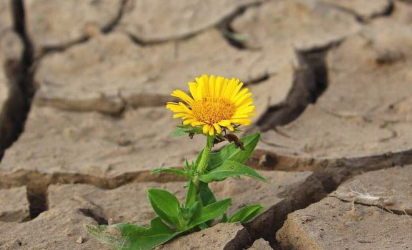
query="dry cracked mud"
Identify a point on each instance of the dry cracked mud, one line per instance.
(145, 20)
(100, 146)
(364, 10)
(132, 197)
(58, 24)
(365, 110)
(14, 205)
(111, 71)
(10, 95)
(278, 25)
(372, 211)
(331, 83)
(128, 203)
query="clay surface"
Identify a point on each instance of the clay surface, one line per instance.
(110, 71)
(387, 188)
(14, 206)
(357, 216)
(11, 49)
(260, 244)
(365, 109)
(209, 239)
(363, 9)
(129, 203)
(5, 16)
(333, 76)
(98, 145)
(278, 25)
(58, 228)
(156, 20)
(60, 23)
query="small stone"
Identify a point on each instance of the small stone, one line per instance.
(79, 240)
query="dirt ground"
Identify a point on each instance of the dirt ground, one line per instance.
(83, 87)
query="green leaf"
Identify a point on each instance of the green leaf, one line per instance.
(186, 213)
(199, 156)
(246, 213)
(165, 205)
(230, 152)
(187, 129)
(206, 194)
(191, 194)
(210, 212)
(133, 237)
(178, 132)
(171, 171)
(187, 166)
(230, 169)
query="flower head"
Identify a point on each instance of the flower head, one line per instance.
(215, 103)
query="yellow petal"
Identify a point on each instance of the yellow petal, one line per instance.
(182, 95)
(224, 87)
(240, 100)
(211, 130)
(241, 121)
(205, 128)
(244, 110)
(226, 123)
(212, 86)
(218, 128)
(230, 87)
(197, 123)
(206, 92)
(186, 109)
(175, 108)
(219, 82)
(240, 94)
(236, 90)
(246, 103)
(179, 115)
(193, 90)
(188, 121)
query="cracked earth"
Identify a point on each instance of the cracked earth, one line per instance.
(83, 86)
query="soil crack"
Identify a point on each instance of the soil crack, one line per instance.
(105, 30)
(92, 214)
(327, 177)
(362, 19)
(37, 183)
(232, 37)
(19, 74)
(309, 82)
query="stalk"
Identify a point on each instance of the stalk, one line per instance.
(203, 160)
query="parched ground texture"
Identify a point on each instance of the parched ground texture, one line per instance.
(88, 82)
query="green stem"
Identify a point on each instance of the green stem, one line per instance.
(205, 155)
(203, 160)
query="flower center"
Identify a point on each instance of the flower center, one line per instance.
(213, 110)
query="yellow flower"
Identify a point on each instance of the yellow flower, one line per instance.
(215, 102)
